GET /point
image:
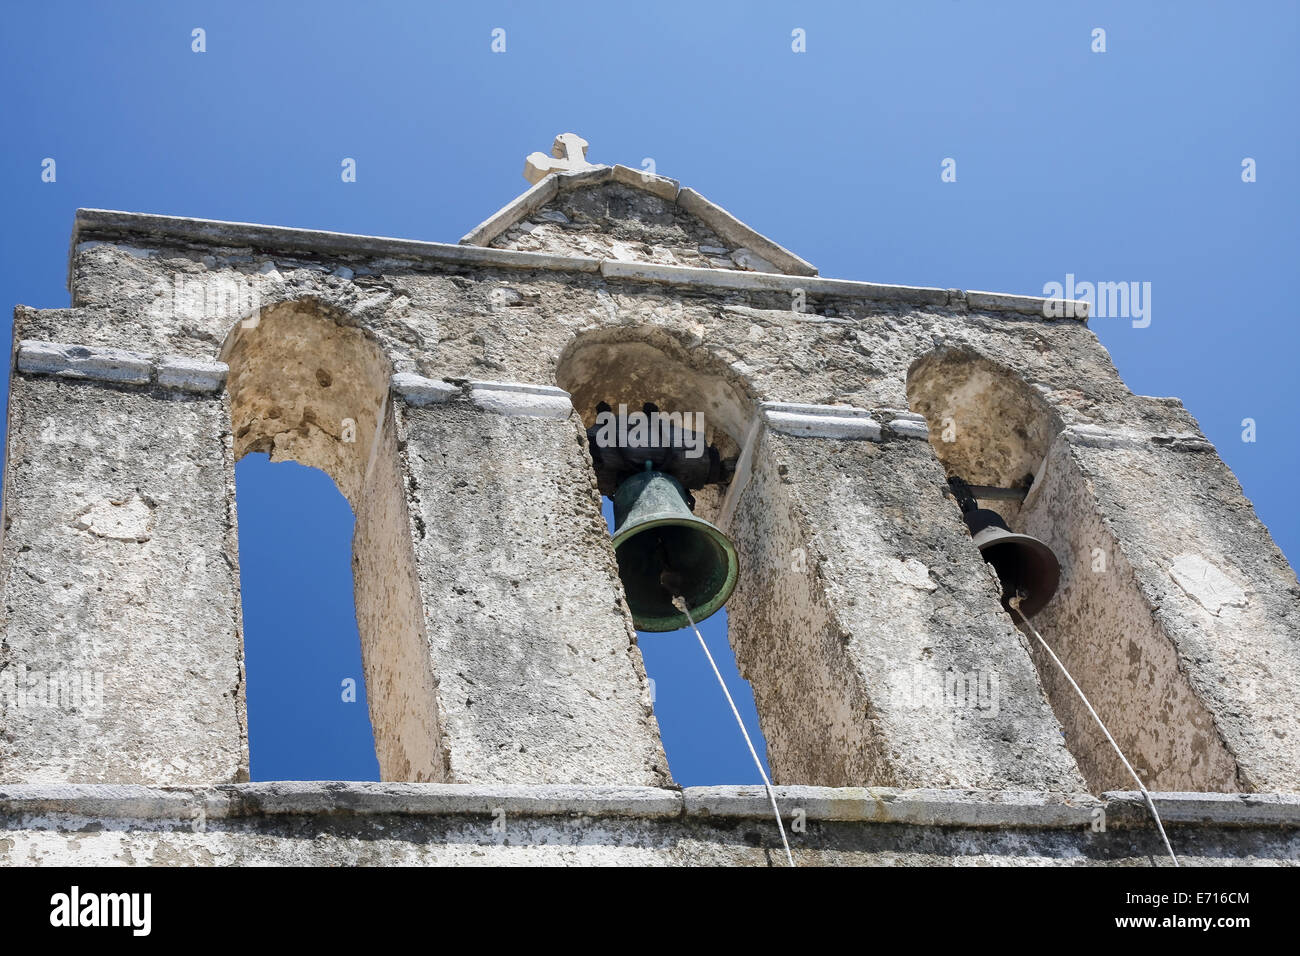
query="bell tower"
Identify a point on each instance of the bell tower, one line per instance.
(872, 478)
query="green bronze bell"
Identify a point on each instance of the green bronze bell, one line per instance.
(663, 550)
(1027, 567)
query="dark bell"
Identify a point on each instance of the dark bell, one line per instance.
(1025, 565)
(663, 550)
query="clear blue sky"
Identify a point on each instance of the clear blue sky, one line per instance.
(1122, 166)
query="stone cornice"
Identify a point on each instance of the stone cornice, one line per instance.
(867, 805)
(711, 214)
(110, 225)
(120, 366)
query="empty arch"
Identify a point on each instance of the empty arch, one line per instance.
(307, 386)
(308, 717)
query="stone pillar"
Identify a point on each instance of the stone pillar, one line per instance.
(539, 679)
(1177, 613)
(120, 658)
(868, 623)
(391, 618)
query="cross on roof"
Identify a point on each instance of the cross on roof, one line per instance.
(568, 154)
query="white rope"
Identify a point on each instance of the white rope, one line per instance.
(680, 604)
(1015, 603)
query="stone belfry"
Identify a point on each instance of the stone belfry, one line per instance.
(447, 390)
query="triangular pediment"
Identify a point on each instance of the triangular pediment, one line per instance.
(616, 212)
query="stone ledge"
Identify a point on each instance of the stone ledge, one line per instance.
(908, 428)
(502, 398)
(420, 391)
(661, 186)
(1128, 808)
(843, 421)
(773, 282)
(132, 802)
(283, 239)
(512, 398)
(694, 276)
(889, 414)
(119, 366)
(969, 808)
(211, 232)
(431, 799)
(733, 230)
(523, 206)
(821, 421)
(911, 294)
(80, 361)
(1028, 304)
(976, 809)
(191, 375)
(1094, 436)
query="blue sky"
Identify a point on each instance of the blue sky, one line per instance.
(1115, 166)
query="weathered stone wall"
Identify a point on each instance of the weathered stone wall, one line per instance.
(901, 609)
(615, 221)
(1219, 590)
(838, 652)
(306, 385)
(853, 344)
(878, 528)
(338, 824)
(813, 703)
(630, 215)
(120, 586)
(539, 676)
(1101, 627)
(988, 426)
(401, 681)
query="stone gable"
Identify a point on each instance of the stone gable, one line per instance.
(612, 220)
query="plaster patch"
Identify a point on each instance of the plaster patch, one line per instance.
(1205, 583)
(912, 572)
(130, 519)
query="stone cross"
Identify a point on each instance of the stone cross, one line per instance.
(568, 155)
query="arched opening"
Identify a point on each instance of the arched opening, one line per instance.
(631, 368)
(308, 387)
(989, 427)
(986, 424)
(302, 657)
(696, 726)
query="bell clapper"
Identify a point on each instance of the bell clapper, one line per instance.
(670, 579)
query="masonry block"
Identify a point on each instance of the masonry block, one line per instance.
(539, 676)
(121, 659)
